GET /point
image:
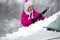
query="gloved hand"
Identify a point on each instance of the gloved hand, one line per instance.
(33, 20)
(40, 16)
(42, 13)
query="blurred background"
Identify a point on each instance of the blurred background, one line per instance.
(10, 11)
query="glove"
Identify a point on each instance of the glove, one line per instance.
(33, 20)
(40, 16)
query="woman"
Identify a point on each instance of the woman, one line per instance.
(30, 15)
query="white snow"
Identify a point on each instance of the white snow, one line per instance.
(32, 29)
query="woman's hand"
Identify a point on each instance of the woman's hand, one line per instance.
(41, 14)
(33, 20)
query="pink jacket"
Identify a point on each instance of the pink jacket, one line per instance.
(26, 22)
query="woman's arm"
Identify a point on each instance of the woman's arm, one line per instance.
(41, 15)
(24, 20)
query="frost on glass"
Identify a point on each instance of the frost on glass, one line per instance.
(56, 24)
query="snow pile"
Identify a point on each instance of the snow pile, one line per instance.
(32, 29)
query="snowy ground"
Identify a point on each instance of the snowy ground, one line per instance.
(35, 31)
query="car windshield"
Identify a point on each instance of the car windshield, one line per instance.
(55, 26)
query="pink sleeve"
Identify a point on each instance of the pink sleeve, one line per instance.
(43, 17)
(26, 0)
(25, 21)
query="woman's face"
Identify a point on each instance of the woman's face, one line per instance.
(30, 8)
